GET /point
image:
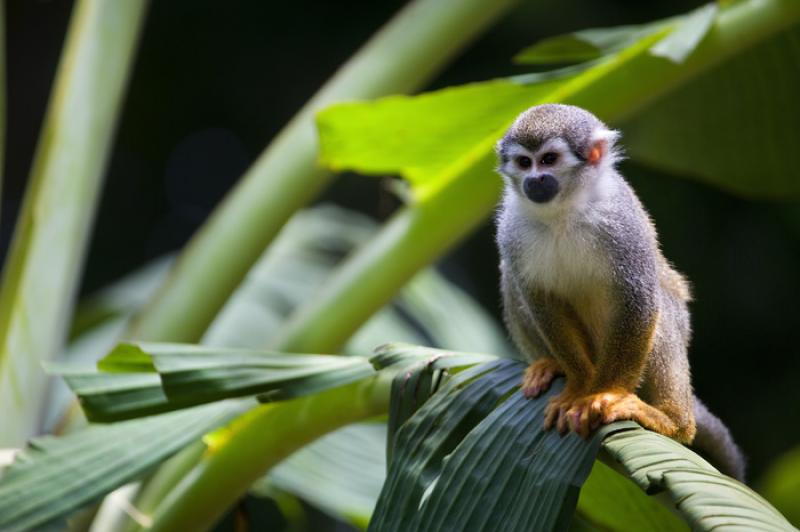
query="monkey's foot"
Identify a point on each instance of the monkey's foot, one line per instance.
(539, 376)
(587, 413)
(555, 413)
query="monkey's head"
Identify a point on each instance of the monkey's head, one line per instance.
(552, 152)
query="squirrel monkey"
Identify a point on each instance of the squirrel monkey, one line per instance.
(587, 293)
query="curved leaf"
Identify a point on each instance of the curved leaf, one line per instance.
(734, 127)
(690, 31)
(439, 137)
(610, 501)
(188, 375)
(579, 46)
(781, 484)
(707, 499)
(465, 463)
(43, 483)
(474, 456)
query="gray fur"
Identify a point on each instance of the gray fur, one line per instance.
(714, 441)
(543, 122)
(589, 262)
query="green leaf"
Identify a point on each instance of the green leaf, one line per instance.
(475, 450)
(584, 45)
(189, 375)
(127, 358)
(610, 501)
(691, 29)
(781, 484)
(310, 246)
(419, 137)
(706, 498)
(55, 476)
(106, 397)
(734, 127)
(437, 138)
(468, 459)
(341, 473)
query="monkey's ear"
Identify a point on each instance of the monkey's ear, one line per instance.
(601, 145)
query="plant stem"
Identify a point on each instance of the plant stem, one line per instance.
(162, 481)
(257, 441)
(423, 231)
(413, 238)
(399, 58)
(2, 86)
(43, 269)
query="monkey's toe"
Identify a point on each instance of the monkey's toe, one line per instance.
(555, 413)
(648, 416)
(539, 376)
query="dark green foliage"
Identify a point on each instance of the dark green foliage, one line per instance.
(475, 456)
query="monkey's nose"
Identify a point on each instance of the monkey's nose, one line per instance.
(540, 189)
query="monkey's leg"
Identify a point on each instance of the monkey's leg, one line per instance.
(524, 322)
(620, 368)
(589, 412)
(662, 403)
(540, 375)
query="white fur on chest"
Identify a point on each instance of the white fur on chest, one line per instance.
(565, 260)
(570, 263)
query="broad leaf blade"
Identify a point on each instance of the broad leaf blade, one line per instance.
(781, 484)
(79, 468)
(584, 45)
(463, 462)
(687, 35)
(440, 137)
(189, 375)
(342, 473)
(431, 435)
(420, 136)
(734, 127)
(106, 397)
(610, 501)
(706, 498)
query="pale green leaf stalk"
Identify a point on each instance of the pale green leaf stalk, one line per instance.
(2, 86)
(455, 200)
(239, 454)
(401, 57)
(44, 264)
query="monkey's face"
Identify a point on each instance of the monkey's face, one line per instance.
(548, 174)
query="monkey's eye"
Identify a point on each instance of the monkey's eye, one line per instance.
(523, 162)
(549, 158)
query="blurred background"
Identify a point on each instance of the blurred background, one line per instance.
(214, 82)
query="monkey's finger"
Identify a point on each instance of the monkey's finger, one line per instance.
(563, 421)
(550, 415)
(587, 421)
(575, 416)
(596, 413)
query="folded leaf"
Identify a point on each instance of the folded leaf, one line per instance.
(189, 375)
(55, 476)
(470, 460)
(707, 499)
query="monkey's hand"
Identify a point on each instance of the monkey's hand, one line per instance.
(555, 413)
(587, 413)
(540, 375)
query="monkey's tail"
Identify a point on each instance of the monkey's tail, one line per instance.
(714, 442)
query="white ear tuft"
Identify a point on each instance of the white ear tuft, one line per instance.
(608, 135)
(603, 147)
